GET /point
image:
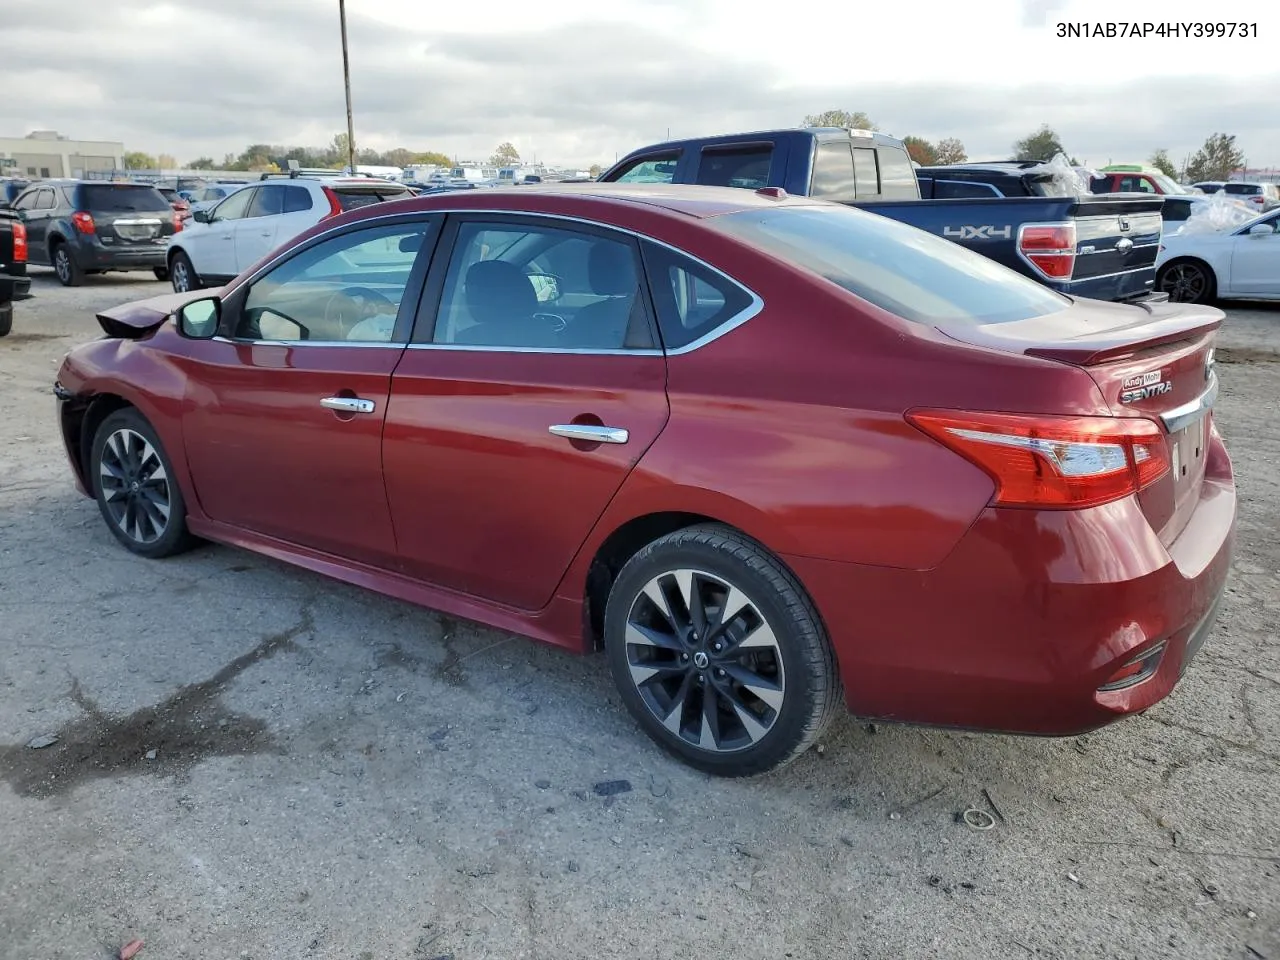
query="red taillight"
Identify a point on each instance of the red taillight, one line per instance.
(178, 217)
(335, 207)
(84, 222)
(1050, 248)
(19, 242)
(1054, 462)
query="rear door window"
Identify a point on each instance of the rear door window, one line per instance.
(44, 200)
(743, 166)
(121, 198)
(692, 300)
(658, 168)
(833, 172)
(897, 176)
(267, 202)
(866, 175)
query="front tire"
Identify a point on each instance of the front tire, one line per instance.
(70, 273)
(718, 652)
(1187, 281)
(162, 273)
(134, 485)
(182, 274)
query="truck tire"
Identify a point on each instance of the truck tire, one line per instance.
(6, 318)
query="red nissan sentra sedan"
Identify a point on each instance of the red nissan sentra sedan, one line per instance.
(770, 453)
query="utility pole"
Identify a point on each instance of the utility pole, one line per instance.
(346, 79)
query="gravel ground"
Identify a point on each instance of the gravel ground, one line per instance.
(337, 775)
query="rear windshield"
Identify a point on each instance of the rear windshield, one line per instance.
(351, 199)
(121, 198)
(906, 271)
(1243, 189)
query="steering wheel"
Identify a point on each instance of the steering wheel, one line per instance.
(556, 322)
(345, 308)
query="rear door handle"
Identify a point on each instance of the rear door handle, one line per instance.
(589, 432)
(348, 404)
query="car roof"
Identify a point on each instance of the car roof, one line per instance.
(686, 200)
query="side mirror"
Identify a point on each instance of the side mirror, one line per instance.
(199, 319)
(546, 286)
(200, 216)
(1262, 229)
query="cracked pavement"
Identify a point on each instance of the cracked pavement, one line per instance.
(339, 775)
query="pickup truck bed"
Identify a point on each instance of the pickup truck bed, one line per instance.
(1101, 247)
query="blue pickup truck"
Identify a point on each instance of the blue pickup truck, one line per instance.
(1102, 247)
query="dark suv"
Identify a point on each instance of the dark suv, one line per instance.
(80, 227)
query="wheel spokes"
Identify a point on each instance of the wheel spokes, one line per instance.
(704, 660)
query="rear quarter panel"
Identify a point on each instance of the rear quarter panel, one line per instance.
(791, 426)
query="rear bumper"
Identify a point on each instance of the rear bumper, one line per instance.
(96, 255)
(1031, 614)
(14, 287)
(1126, 287)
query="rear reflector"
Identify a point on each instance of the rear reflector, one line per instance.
(1141, 667)
(1049, 247)
(1054, 462)
(19, 242)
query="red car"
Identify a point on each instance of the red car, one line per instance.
(769, 453)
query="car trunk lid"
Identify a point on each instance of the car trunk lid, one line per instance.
(1152, 360)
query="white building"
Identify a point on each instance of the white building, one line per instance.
(45, 153)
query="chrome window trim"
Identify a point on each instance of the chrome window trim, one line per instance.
(398, 345)
(728, 326)
(1191, 411)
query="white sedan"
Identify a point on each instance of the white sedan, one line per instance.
(1242, 263)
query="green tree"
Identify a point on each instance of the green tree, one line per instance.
(1043, 145)
(1160, 160)
(201, 163)
(433, 156)
(505, 155)
(137, 160)
(840, 118)
(921, 150)
(1216, 160)
(951, 150)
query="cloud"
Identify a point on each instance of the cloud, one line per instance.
(1036, 13)
(172, 79)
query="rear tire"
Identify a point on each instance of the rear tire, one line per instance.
(6, 318)
(69, 271)
(735, 698)
(133, 481)
(1187, 281)
(182, 274)
(162, 273)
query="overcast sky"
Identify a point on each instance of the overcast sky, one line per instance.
(577, 82)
